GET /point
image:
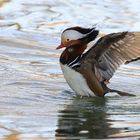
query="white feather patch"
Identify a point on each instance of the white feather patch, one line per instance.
(76, 81)
(71, 35)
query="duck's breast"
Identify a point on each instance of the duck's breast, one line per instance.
(76, 81)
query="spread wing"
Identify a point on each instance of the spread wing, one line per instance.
(113, 50)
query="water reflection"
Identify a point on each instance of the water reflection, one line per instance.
(85, 118)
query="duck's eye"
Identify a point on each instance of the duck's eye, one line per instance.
(67, 39)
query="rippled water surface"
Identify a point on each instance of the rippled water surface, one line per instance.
(35, 101)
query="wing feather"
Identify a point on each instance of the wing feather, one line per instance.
(113, 50)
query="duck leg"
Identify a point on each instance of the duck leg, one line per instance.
(121, 93)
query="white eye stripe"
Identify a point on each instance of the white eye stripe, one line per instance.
(71, 35)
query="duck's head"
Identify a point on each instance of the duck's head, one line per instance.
(77, 36)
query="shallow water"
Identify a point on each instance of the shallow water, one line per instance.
(36, 102)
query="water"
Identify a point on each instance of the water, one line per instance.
(35, 101)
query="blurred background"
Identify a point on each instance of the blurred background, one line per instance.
(52, 16)
(35, 101)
